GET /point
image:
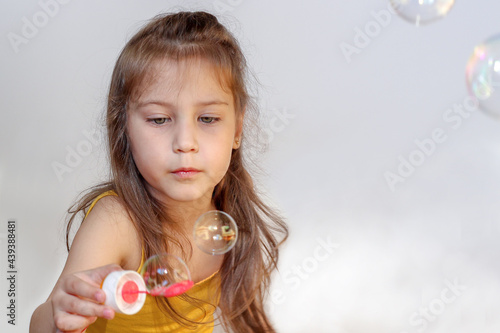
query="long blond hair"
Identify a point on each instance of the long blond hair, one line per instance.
(247, 267)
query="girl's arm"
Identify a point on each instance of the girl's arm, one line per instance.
(107, 236)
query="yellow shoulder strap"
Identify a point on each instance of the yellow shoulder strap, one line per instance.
(102, 195)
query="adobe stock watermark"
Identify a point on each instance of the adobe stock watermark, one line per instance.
(293, 277)
(31, 26)
(424, 316)
(276, 123)
(426, 147)
(364, 35)
(223, 6)
(74, 155)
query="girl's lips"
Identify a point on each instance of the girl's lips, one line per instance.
(185, 173)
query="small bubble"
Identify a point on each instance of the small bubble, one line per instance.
(215, 232)
(422, 11)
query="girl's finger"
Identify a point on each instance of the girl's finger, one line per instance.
(82, 307)
(73, 285)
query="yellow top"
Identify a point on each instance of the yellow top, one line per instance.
(150, 319)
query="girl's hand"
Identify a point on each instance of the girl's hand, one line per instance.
(77, 299)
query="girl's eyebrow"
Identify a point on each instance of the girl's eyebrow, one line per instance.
(155, 102)
(169, 105)
(212, 102)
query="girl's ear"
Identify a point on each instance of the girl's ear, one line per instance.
(239, 129)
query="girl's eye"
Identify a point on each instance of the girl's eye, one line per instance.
(208, 120)
(159, 121)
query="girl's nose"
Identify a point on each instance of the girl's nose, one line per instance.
(185, 140)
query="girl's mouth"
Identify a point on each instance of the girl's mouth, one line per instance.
(185, 173)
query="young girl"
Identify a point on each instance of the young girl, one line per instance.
(175, 117)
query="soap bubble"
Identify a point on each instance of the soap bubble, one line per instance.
(422, 11)
(215, 232)
(166, 275)
(483, 75)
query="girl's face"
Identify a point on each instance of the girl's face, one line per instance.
(182, 130)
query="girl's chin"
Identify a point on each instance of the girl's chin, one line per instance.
(187, 198)
(182, 194)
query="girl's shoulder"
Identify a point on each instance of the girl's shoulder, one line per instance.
(107, 235)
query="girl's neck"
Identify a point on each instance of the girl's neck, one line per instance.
(185, 214)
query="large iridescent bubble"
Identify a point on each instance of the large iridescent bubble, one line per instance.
(483, 75)
(421, 12)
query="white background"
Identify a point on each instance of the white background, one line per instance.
(395, 254)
